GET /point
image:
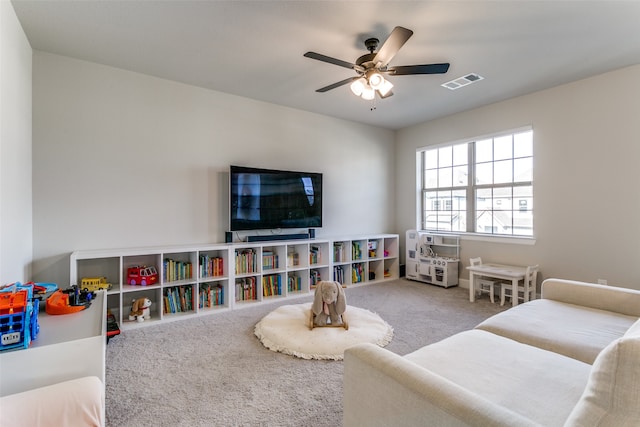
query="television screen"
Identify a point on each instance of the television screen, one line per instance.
(266, 199)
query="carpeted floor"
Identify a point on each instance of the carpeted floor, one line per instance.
(213, 371)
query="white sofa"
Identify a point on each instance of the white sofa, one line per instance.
(571, 358)
(74, 403)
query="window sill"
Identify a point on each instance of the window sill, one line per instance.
(515, 240)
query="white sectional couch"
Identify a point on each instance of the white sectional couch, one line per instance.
(74, 403)
(571, 358)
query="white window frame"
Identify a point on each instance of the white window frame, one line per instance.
(512, 204)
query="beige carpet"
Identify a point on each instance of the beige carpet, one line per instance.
(213, 370)
(286, 330)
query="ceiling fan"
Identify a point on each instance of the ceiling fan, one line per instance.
(371, 66)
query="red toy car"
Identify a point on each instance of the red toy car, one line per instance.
(142, 275)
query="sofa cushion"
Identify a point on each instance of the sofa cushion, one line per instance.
(574, 331)
(612, 395)
(78, 403)
(522, 378)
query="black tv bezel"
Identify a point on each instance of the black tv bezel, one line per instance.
(248, 225)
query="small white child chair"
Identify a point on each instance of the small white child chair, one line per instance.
(483, 284)
(528, 288)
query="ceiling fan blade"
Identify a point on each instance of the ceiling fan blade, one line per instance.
(392, 45)
(330, 60)
(404, 70)
(338, 84)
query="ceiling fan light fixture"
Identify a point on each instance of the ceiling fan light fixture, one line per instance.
(385, 88)
(358, 86)
(368, 94)
(375, 79)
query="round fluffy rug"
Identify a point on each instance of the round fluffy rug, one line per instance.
(286, 330)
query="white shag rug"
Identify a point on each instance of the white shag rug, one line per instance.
(286, 329)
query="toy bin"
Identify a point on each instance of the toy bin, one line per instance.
(18, 316)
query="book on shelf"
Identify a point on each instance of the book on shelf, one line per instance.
(173, 270)
(246, 261)
(211, 295)
(246, 289)
(357, 270)
(315, 255)
(211, 266)
(338, 274)
(294, 283)
(356, 251)
(314, 277)
(178, 299)
(271, 285)
(338, 251)
(269, 260)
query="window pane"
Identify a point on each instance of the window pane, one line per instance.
(431, 159)
(502, 199)
(444, 177)
(484, 173)
(503, 171)
(460, 176)
(431, 178)
(502, 148)
(445, 156)
(523, 170)
(459, 198)
(484, 150)
(483, 199)
(484, 222)
(523, 144)
(460, 154)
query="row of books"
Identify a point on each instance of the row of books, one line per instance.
(271, 285)
(356, 250)
(293, 259)
(178, 299)
(246, 261)
(211, 295)
(315, 255)
(269, 260)
(176, 270)
(314, 277)
(338, 251)
(357, 272)
(211, 266)
(246, 289)
(294, 283)
(338, 274)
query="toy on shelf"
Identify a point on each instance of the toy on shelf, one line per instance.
(18, 316)
(140, 310)
(142, 275)
(112, 326)
(92, 284)
(68, 301)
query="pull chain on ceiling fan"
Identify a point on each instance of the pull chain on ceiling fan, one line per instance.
(371, 66)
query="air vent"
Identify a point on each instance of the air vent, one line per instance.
(462, 81)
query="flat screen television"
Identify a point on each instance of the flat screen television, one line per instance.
(263, 199)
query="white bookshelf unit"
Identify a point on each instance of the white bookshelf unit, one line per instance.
(205, 279)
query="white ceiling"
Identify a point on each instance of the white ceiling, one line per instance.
(255, 48)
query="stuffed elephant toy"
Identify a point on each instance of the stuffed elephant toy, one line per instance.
(329, 303)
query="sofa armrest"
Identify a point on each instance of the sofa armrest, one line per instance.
(78, 402)
(610, 298)
(382, 388)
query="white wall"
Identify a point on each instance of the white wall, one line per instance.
(15, 149)
(586, 197)
(127, 160)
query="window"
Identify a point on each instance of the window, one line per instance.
(480, 186)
